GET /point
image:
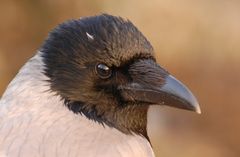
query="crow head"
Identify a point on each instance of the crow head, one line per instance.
(104, 68)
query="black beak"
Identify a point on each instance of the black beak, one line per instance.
(153, 85)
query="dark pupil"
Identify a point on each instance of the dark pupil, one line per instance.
(103, 70)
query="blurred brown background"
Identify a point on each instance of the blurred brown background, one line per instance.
(197, 41)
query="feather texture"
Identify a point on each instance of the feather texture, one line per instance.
(35, 122)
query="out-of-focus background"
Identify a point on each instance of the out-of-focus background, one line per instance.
(197, 41)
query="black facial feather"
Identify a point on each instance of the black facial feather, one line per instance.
(71, 54)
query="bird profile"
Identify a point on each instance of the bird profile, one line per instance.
(87, 92)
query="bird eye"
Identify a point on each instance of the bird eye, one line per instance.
(103, 71)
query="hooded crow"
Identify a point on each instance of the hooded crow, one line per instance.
(86, 93)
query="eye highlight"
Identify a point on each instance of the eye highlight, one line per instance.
(103, 71)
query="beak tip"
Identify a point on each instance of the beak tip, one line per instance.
(198, 109)
(178, 89)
